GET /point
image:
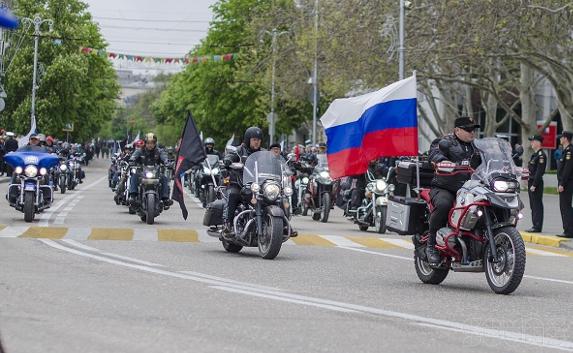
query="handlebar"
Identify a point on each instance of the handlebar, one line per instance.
(449, 168)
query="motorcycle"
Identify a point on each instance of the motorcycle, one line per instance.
(150, 204)
(30, 193)
(319, 196)
(208, 178)
(374, 208)
(63, 175)
(481, 234)
(262, 220)
(76, 173)
(304, 170)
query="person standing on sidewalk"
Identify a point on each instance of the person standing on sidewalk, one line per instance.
(565, 188)
(536, 166)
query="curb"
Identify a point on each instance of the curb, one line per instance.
(547, 240)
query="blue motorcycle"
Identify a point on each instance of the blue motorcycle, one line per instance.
(30, 191)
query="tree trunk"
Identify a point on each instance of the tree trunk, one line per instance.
(527, 99)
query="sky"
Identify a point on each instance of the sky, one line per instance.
(158, 28)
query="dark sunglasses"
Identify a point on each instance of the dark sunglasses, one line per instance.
(468, 129)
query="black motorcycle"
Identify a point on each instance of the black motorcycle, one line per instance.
(149, 191)
(319, 196)
(374, 207)
(208, 179)
(261, 220)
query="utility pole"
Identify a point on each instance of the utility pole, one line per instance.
(315, 75)
(275, 34)
(37, 21)
(401, 48)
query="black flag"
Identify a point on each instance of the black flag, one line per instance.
(190, 152)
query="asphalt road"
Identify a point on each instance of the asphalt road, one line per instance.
(89, 277)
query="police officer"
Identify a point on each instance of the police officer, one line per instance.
(536, 166)
(453, 148)
(565, 188)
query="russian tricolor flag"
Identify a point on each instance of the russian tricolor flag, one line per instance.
(378, 124)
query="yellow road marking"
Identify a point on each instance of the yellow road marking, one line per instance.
(45, 232)
(372, 242)
(2, 226)
(111, 234)
(308, 239)
(180, 235)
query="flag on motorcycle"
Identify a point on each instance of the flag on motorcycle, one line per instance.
(190, 152)
(23, 141)
(378, 124)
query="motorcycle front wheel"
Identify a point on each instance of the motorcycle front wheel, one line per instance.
(380, 219)
(505, 275)
(63, 185)
(271, 240)
(326, 203)
(29, 201)
(150, 209)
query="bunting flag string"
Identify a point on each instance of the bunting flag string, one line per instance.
(160, 60)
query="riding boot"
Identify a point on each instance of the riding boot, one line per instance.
(432, 253)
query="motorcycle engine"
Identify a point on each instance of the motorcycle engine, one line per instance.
(441, 236)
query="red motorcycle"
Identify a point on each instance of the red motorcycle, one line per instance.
(481, 234)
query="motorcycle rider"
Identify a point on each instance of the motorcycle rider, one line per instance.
(450, 149)
(149, 155)
(252, 141)
(33, 145)
(210, 147)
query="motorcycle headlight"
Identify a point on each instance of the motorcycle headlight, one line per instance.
(324, 174)
(43, 171)
(215, 171)
(381, 186)
(500, 186)
(255, 187)
(18, 170)
(149, 174)
(288, 191)
(305, 180)
(207, 171)
(31, 171)
(271, 191)
(63, 167)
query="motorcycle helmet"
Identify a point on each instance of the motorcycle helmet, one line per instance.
(139, 143)
(209, 141)
(50, 139)
(252, 132)
(150, 137)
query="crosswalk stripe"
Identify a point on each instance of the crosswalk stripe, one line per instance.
(316, 240)
(145, 234)
(45, 232)
(2, 226)
(111, 234)
(342, 241)
(178, 235)
(78, 233)
(372, 242)
(203, 237)
(542, 252)
(401, 243)
(13, 232)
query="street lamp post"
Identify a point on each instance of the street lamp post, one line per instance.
(37, 21)
(401, 48)
(315, 75)
(275, 34)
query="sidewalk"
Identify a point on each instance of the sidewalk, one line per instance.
(552, 224)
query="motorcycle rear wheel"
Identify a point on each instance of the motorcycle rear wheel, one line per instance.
(272, 238)
(504, 277)
(427, 274)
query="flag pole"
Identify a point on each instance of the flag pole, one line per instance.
(417, 161)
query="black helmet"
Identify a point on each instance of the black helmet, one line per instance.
(252, 132)
(209, 141)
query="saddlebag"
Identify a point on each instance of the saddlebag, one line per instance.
(214, 213)
(406, 173)
(406, 215)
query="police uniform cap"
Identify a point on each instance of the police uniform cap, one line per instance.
(567, 134)
(466, 122)
(536, 138)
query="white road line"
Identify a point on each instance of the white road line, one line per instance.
(518, 337)
(203, 237)
(145, 234)
(13, 231)
(289, 242)
(203, 275)
(549, 279)
(401, 243)
(78, 233)
(377, 253)
(542, 252)
(79, 245)
(342, 241)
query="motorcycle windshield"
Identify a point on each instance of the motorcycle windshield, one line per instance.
(211, 160)
(263, 165)
(40, 159)
(496, 156)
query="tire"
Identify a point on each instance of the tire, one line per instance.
(326, 203)
(427, 274)
(70, 183)
(316, 216)
(380, 222)
(63, 186)
(210, 194)
(272, 239)
(150, 208)
(363, 227)
(508, 242)
(232, 248)
(29, 207)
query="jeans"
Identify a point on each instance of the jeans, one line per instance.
(164, 185)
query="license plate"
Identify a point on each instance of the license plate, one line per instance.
(29, 187)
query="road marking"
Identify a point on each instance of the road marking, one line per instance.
(206, 238)
(377, 253)
(111, 234)
(542, 252)
(315, 240)
(372, 242)
(78, 233)
(13, 231)
(231, 281)
(79, 245)
(145, 234)
(178, 235)
(549, 279)
(45, 232)
(342, 241)
(400, 243)
(277, 295)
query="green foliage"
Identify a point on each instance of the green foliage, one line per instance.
(75, 88)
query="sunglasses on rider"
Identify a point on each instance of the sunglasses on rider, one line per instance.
(468, 128)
